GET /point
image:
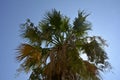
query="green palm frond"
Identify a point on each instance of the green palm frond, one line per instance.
(31, 33)
(81, 25)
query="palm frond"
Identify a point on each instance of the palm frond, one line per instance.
(81, 25)
(31, 33)
(30, 55)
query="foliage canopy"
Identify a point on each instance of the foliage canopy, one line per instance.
(53, 49)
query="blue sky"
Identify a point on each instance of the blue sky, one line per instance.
(105, 15)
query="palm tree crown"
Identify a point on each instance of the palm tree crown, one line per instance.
(54, 49)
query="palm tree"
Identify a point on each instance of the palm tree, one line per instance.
(53, 49)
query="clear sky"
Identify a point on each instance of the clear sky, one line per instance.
(105, 15)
